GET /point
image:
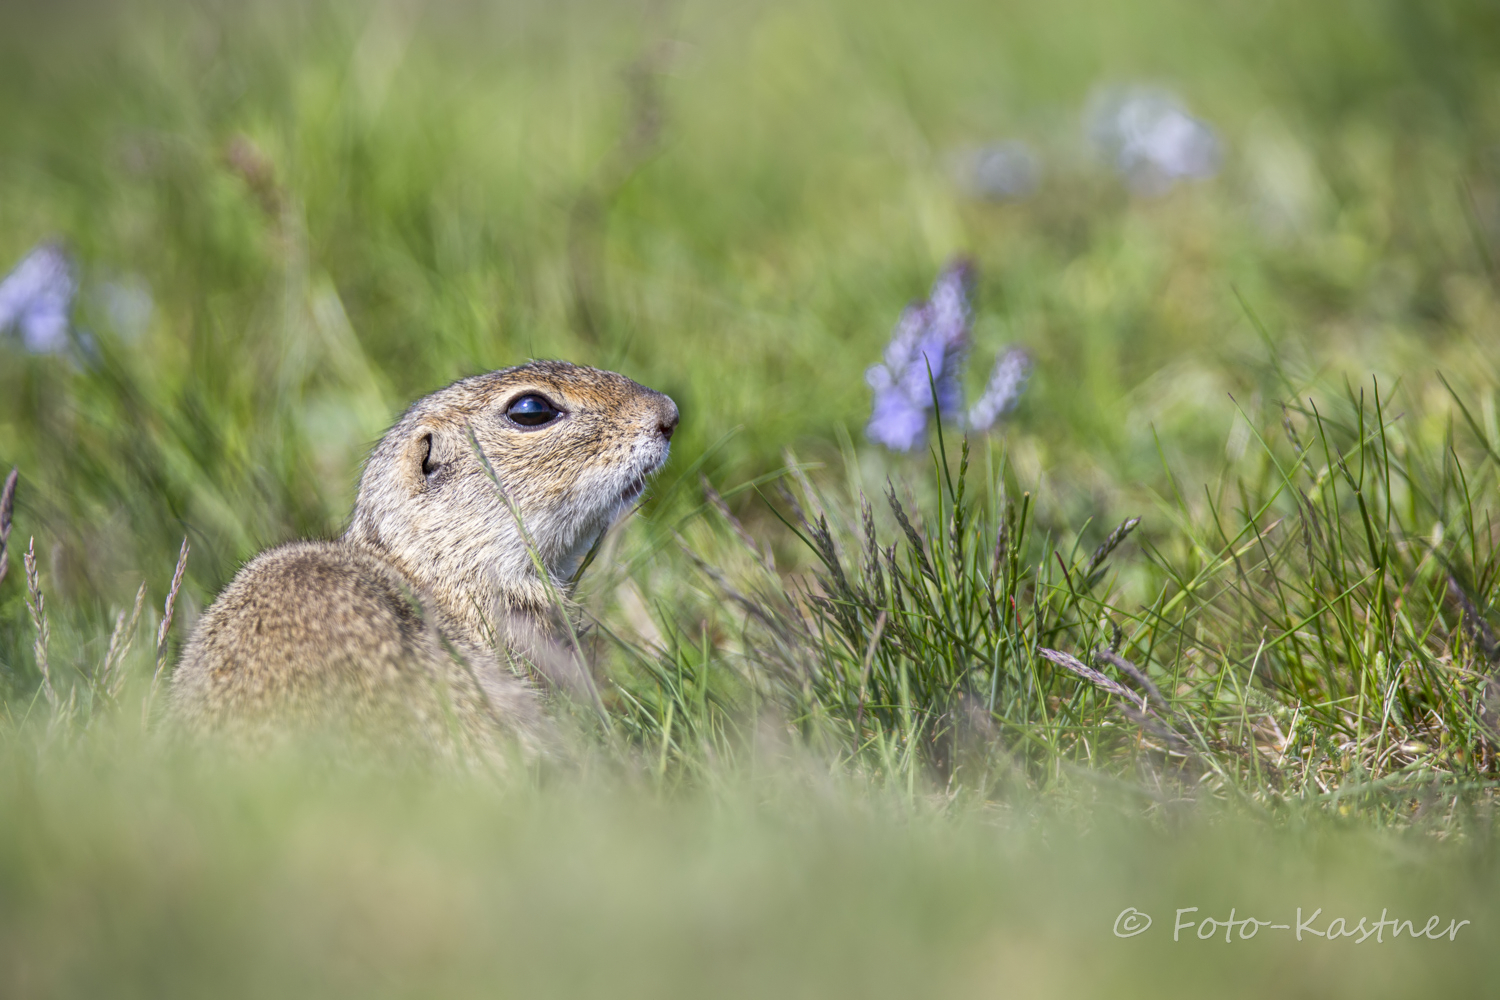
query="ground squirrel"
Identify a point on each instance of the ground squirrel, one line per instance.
(401, 626)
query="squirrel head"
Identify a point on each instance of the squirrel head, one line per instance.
(570, 449)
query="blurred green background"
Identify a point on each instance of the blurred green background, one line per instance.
(335, 208)
(291, 219)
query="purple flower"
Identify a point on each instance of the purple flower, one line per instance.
(926, 354)
(1003, 171)
(128, 306)
(1003, 391)
(895, 421)
(948, 317)
(37, 297)
(1149, 137)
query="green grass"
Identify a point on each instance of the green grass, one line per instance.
(837, 759)
(192, 880)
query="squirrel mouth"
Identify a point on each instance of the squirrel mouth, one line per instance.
(635, 489)
(637, 484)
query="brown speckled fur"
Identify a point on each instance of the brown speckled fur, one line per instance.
(393, 628)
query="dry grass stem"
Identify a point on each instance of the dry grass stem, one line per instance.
(36, 604)
(112, 673)
(7, 510)
(864, 673)
(1070, 662)
(165, 629)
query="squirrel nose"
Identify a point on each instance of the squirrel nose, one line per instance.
(667, 420)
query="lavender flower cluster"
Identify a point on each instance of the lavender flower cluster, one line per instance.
(1149, 137)
(924, 367)
(37, 304)
(1145, 133)
(36, 299)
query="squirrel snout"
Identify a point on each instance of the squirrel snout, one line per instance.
(667, 417)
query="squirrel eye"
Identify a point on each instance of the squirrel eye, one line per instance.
(532, 411)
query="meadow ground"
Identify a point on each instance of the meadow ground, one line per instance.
(877, 723)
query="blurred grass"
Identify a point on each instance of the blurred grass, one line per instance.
(181, 879)
(335, 207)
(428, 191)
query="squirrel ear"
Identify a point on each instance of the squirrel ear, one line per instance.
(428, 465)
(422, 457)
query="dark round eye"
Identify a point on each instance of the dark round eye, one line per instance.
(532, 411)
